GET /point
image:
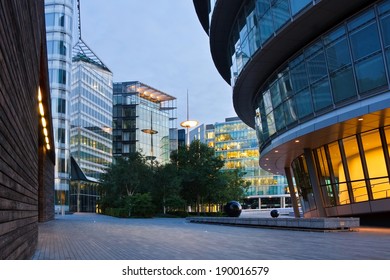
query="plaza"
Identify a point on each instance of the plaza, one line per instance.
(87, 236)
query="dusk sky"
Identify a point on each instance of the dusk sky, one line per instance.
(162, 44)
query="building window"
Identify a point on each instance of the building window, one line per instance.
(376, 165)
(355, 169)
(61, 106)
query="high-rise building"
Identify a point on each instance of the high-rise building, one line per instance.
(144, 121)
(59, 29)
(312, 77)
(91, 126)
(26, 133)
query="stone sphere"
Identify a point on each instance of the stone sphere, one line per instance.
(233, 209)
(274, 213)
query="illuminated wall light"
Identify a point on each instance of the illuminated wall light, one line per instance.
(41, 111)
(47, 140)
(39, 94)
(43, 122)
(45, 132)
(48, 146)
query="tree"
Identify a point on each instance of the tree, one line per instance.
(123, 179)
(199, 169)
(166, 188)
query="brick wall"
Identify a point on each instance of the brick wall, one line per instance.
(26, 166)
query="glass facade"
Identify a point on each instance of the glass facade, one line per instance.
(59, 33)
(91, 117)
(351, 170)
(236, 143)
(144, 121)
(257, 22)
(347, 64)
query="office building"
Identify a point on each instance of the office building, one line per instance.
(91, 126)
(59, 28)
(27, 148)
(237, 144)
(144, 121)
(312, 77)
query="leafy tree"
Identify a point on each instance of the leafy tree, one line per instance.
(166, 188)
(123, 179)
(199, 169)
(140, 205)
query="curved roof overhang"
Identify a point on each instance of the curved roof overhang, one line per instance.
(289, 40)
(358, 117)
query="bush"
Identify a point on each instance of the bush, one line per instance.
(140, 205)
(117, 212)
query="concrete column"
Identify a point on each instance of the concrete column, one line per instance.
(291, 188)
(314, 182)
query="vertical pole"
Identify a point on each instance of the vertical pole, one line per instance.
(293, 195)
(314, 182)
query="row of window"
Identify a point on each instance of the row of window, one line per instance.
(257, 22)
(351, 62)
(351, 170)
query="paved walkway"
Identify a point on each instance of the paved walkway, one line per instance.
(92, 236)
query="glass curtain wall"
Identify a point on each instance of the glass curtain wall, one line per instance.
(351, 170)
(349, 63)
(59, 30)
(236, 143)
(91, 118)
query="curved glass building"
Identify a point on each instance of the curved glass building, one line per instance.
(312, 77)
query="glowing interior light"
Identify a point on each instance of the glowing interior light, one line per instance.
(39, 94)
(41, 111)
(43, 122)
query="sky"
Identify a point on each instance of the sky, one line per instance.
(160, 43)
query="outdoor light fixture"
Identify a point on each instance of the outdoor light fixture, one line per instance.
(43, 119)
(188, 123)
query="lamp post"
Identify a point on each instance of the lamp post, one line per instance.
(188, 123)
(150, 131)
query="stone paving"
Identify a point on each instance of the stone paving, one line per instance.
(98, 237)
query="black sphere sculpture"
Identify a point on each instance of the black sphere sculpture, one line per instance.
(274, 213)
(233, 209)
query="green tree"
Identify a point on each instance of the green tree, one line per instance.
(199, 169)
(166, 188)
(123, 179)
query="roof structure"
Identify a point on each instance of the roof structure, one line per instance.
(81, 52)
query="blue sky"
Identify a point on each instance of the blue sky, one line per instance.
(160, 43)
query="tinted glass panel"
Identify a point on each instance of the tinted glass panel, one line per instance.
(298, 5)
(343, 85)
(365, 41)
(370, 74)
(304, 103)
(321, 95)
(338, 55)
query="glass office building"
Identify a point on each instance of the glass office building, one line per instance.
(59, 33)
(236, 143)
(144, 120)
(312, 77)
(91, 126)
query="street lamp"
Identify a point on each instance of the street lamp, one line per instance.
(188, 123)
(150, 131)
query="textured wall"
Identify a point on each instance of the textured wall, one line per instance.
(26, 166)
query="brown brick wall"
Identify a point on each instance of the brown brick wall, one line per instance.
(26, 167)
